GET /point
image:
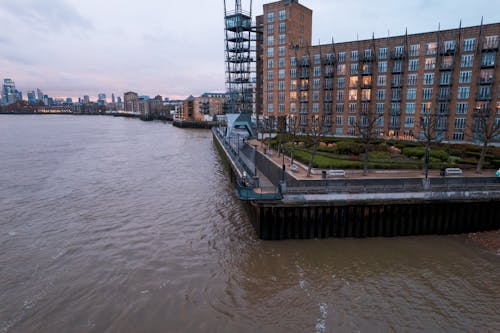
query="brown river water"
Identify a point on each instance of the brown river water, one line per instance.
(117, 225)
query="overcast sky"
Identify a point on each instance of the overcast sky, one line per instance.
(176, 48)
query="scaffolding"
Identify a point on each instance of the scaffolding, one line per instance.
(240, 58)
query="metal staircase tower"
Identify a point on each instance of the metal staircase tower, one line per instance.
(240, 58)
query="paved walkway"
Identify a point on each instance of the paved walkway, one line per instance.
(301, 173)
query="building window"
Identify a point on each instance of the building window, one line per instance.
(469, 44)
(427, 93)
(282, 28)
(340, 120)
(351, 121)
(316, 84)
(430, 63)
(340, 83)
(293, 107)
(353, 107)
(293, 96)
(354, 69)
(282, 39)
(379, 107)
(293, 61)
(488, 59)
(270, 17)
(381, 94)
(354, 55)
(270, 41)
(413, 65)
(270, 52)
(431, 48)
(463, 92)
(412, 79)
(458, 136)
(270, 85)
(270, 108)
(340, 95)
(353, 95)
(410, 108)
(467, 60)
(425, 108)
(281, 51)
(270, 75)
(491, 42)
(317, 71)
(315, 108)
(341, 57)
(281, 74)
(341, 69)
(465, 77)
(411, 93)
(366, 95)
(459, 123)
(381, 80)
(449, 45)
(414, 50)
(281, 97)
(368, 53)
(281, 108)
(409, 122)
(282, 15)
(281, 85)
(293, 73)
(317, 59)
(270, 63)
(382, 66)
(445, 78)
(428, 78)
(398, 66)
(462, 107)
(353, 81)
(281, 62)
(382, 53)
(339, 108)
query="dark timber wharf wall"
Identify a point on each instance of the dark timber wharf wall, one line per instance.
(278, 221)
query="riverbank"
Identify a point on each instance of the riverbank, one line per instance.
(488, 239)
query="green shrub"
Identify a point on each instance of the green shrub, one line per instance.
(440, 155)
(414, 152)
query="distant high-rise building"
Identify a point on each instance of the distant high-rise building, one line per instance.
(69, 100)
(39, 95)
(101, 99)
(86, 99)
(32, 97)
(113, 98)
(10, 94)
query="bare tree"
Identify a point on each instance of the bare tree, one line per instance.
(486, 129)
(293, 127)
(366, 128)
(315, 133)
(429, 134)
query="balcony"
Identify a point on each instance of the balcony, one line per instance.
(329, 61)
(396, 70)
(396, 99)
(446, 83)
(397, 84)
(446, 67)
(444, 98)
(367, 58)
(486, 80)
(328, 87)
(394, 126)
(304, 87)
(448, 51)
(397, 55)
(304, 75)
(488, 64)
(483, 97)
(490, 46)
(304, 63)
(328, 74)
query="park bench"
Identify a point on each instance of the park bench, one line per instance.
(453, 172)
(335, 173)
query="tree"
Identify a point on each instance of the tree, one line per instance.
(315, 133)
(430, 133)
(486, 129)
(293, 127)
(366, 128)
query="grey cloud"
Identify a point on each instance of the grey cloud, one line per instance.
(52, 16)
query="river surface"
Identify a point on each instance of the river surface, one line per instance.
(117, 225)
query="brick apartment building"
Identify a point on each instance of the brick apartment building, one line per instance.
(450, 74)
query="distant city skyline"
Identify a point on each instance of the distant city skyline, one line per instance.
(69, 48)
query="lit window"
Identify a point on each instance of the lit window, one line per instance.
(431, 48)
